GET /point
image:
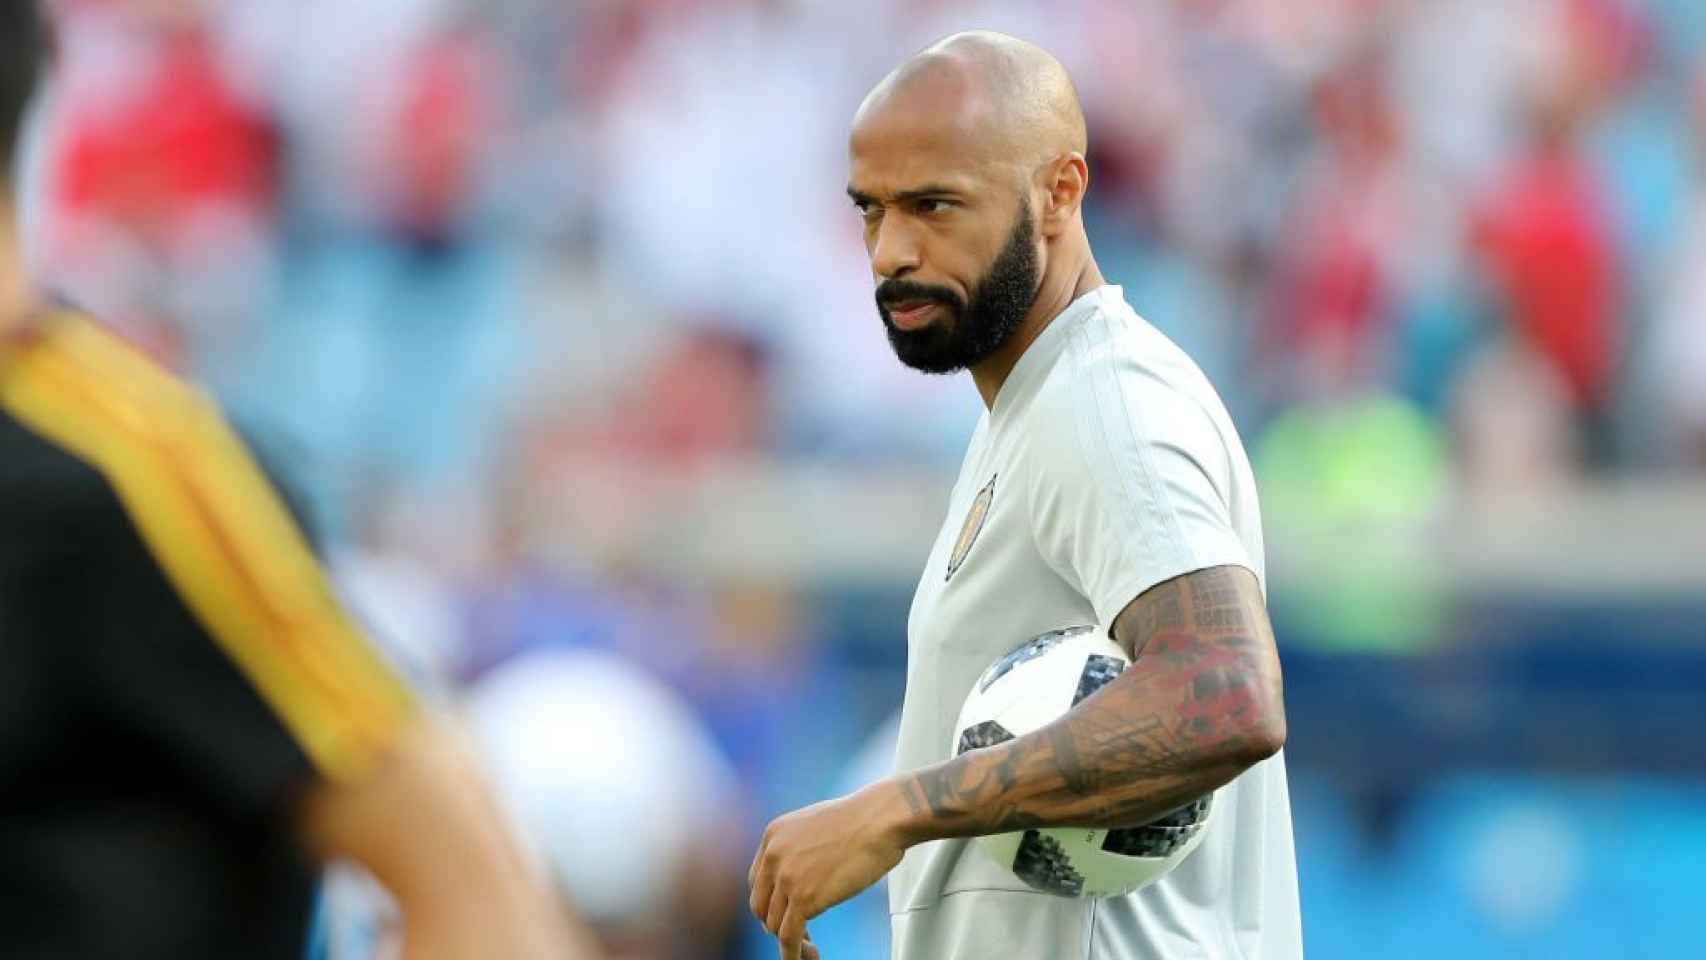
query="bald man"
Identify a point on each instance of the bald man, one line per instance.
(1104, 485)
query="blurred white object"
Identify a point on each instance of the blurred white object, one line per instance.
(1679, 342)
(409, 612)
(610, 775)
(1525, 868)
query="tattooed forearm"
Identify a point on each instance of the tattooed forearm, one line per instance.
(948, 793)
(1200, 703)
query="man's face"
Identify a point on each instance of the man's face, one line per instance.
(952, 243)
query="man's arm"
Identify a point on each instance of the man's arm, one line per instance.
(1200, 703)
(423, 822)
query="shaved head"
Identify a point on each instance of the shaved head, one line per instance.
(1001, 93)
(967, 165)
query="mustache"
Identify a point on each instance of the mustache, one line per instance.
(891, 292)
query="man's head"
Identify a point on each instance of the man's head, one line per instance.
(967, 164)
(20, 57)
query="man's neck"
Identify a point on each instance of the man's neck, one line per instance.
(1053, 297)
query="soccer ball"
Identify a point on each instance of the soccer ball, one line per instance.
(1024, 691)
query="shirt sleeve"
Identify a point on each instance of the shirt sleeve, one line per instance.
(217, 633)
(1132, 489)
(158, 673)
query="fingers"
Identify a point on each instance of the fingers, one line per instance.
(779, 902)
(760, 903)
(776, 905)
(757, 860)
(761, 880)
(791, 934)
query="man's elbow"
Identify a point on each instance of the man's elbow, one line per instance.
(1262, 731)
(1264, 738)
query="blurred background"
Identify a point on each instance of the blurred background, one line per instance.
(558, 310)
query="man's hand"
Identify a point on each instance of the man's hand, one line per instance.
(814, 858)
(425, 823)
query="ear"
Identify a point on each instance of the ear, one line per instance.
(1064, 181)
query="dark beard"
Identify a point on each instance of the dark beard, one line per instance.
(971, 331)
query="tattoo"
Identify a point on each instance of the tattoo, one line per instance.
(1166, 612)
(1211, 588)
(1199, 703)
(951, 791)
(912, 789)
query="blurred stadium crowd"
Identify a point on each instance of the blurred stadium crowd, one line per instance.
(562, 314)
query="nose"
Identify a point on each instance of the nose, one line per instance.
(895, 248)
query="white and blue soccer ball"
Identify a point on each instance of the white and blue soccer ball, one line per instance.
(1029, 688)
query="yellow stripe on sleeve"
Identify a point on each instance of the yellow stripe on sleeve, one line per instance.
(219, 531)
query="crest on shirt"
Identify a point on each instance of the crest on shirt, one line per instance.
(971, 528)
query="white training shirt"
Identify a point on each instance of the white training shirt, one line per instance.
(1110, 466)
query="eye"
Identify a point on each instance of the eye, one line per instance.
(868, 211)
(929, 205)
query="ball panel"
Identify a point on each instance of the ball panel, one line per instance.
(1149, 841)
(985, 734)
(1113, 875)
(1044, 864)
(1032, 712)
(1099, 671)
(1048, 686)
(1026, 652)
(1188, 815)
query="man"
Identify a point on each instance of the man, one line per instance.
(1104, 485)
(188, 720)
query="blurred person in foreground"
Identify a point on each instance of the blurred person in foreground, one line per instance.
(1106, 484)
(188, 718)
